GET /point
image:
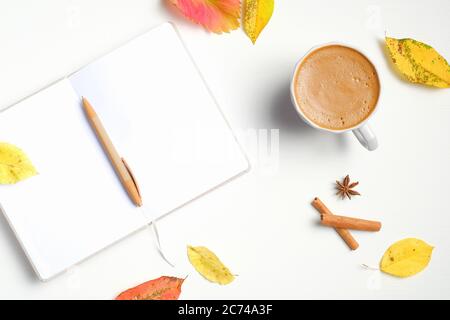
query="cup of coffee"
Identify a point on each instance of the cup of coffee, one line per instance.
(336, 88)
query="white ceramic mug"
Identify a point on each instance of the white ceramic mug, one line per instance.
(362, 130)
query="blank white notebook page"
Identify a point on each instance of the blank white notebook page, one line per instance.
(161, 118)
(74, 206)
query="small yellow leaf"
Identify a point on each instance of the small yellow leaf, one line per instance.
(406, 257)
(419, 62)
(209, 266)
(14, 164)
(257, 14)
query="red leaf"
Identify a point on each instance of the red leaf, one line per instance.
(163, 288)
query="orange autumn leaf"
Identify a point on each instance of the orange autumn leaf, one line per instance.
(215, 15)
(163, 288)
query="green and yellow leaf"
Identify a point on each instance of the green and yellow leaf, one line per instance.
(14, 164)
(209, 265)
(406, 257)
(257, 14)
(419, 62)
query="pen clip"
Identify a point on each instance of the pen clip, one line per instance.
(132, 176)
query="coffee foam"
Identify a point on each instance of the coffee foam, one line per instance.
(336, 87)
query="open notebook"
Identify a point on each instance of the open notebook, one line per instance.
(162, 119)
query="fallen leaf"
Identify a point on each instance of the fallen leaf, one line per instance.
(14, 164)
(215, 15)
(257, 14)
(209, 266)
(419, 62)
(163, 288)
(406, 257)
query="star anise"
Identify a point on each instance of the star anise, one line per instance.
(345, 188)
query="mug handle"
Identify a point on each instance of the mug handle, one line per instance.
(366, 137)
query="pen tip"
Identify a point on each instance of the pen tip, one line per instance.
(85, 102)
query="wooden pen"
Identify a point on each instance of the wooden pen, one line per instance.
(119, 164)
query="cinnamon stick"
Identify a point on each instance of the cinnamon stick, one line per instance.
(350, 223)
(344, 233)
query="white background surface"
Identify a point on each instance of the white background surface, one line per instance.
(261, 225)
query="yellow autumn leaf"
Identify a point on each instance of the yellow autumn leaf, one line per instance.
(14, 164)
(419, 62)
(406, 257)
(208, 265)
(257, 14)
